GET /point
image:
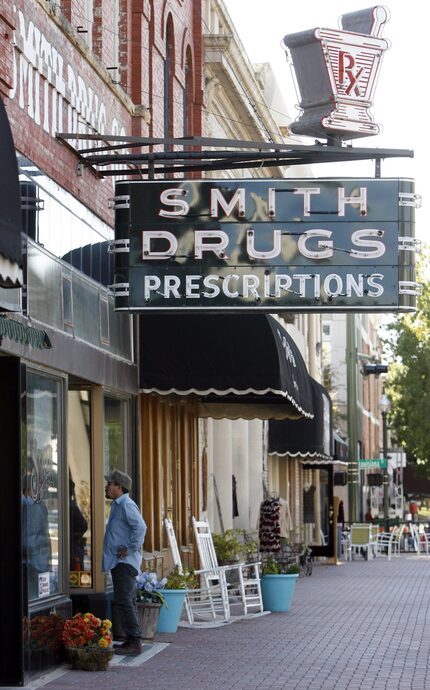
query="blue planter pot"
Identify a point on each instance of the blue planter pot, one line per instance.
(168, 619)
(277, 591)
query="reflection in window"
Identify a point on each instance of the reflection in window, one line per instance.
(40, 499)
(79, 456)
(63, 225)
(115, 412)
(115, 444)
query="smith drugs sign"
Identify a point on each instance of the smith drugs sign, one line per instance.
(272, 245)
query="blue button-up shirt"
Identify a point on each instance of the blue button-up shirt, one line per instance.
(125, 527)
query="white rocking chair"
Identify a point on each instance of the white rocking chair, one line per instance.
(203, 603)
(248, 589)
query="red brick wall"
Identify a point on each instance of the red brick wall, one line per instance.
(50, 57)
(7, 25)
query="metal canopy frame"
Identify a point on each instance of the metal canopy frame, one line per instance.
(115, 155)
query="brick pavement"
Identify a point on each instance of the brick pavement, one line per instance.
(359, 626)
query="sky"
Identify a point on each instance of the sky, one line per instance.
(401, 99)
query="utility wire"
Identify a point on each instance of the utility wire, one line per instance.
(244, 93)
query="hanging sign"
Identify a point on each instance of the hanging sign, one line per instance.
(271, 245)
(336, 73)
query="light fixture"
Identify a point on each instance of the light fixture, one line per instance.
(374, 368)
(384, 404)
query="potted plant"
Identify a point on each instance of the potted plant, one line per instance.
(88, 642)
(278, 583)
(235, 545)
(232, 547)
(228, 547)
(174, 593)
(149, 598)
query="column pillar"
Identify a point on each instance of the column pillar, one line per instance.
(240, 469)
(210, 506)
(256, 450)
(222, 471)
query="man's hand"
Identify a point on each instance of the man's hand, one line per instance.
(122, 551)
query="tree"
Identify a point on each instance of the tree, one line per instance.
(407, 342)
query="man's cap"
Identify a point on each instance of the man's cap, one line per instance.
(120, 478)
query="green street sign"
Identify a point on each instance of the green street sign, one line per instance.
(372, 463)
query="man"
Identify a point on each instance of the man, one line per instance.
(124, 536)
(413, 509)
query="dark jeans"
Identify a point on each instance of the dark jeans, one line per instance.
(124, 590)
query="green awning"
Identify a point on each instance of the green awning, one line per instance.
(14, 330)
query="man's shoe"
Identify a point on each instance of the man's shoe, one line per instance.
(121, 645)
(132, 648)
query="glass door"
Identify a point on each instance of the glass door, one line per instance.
(80, 488)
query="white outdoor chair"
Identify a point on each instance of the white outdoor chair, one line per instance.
(346, 546)
(420, 538)
(389, 542)
(248, 588)
(203, 603)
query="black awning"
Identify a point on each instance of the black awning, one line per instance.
(10, 209)
(227, 360)
(309, 439)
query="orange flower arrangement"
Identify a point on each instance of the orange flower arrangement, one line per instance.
(86, 631)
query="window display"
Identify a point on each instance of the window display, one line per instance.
(40, 482)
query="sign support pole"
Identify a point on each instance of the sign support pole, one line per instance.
(351, 375)
(386, 478)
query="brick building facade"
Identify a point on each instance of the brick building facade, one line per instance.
(71, 411)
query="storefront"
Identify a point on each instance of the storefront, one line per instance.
(207, 383)
(67, 413)
(301, 456)
(69, 381)
(68, 388)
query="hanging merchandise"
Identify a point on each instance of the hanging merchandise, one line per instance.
(234, 496)
(270, 524)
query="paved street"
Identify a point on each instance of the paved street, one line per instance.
(358, 626)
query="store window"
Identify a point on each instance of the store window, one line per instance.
(115, 444)
(79, 457)
(40, 487)
(188, 97)
(115, 434)
(169, 71)
(65, 227)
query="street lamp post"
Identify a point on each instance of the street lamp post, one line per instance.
(385, 406)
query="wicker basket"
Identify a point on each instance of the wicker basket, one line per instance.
(89, 659)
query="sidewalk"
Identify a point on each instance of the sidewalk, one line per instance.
(359, 626)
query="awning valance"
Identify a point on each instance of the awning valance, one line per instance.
(10, 208)
(308, 439)
(20, 333)
(240, 365)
